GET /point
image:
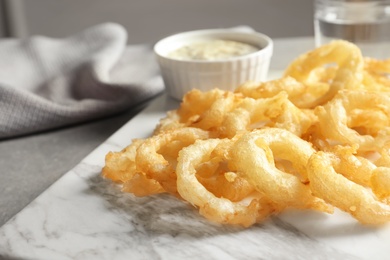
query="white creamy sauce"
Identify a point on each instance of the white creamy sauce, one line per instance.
(212, 50)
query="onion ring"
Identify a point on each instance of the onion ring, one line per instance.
(362, 167)
(337, 190)
(377, 74)
(348, 75)
(298, 93)
(212, 207)
(380, 182)
(196, 102)
(158, 166)
(252, 156)
(120, 166)
(335, 121)
(170, 122)
(276, 111)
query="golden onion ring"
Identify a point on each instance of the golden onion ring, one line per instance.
(336, 125)
(217, 209)
(337, 190)
(155, 164)
(253, 157)
(348, 71)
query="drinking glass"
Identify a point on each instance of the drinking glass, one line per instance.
(363, 22)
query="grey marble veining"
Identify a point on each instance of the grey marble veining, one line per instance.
(97, 221)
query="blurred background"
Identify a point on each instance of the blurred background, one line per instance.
(150, 20)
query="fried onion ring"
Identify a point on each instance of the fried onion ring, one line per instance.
(298, 93)
(320, 134)
(337, 124)
(348, 74)
(337, 190)
(120, 166)
(380, 182)
(210, 206)
(377, 74)
(348, 159)
(253, 156)
(276, 111)
(159, 163)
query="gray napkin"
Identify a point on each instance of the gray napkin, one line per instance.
(47, 83)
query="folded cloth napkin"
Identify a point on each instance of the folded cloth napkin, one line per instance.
(47, 83)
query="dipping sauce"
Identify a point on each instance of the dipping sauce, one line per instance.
(212, 50)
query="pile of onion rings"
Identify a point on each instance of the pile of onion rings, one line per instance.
(316, 138)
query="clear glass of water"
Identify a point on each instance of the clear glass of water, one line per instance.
(363, 22)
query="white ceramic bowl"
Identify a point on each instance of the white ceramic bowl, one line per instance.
(180, 76)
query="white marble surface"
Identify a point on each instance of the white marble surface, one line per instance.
(83, 216)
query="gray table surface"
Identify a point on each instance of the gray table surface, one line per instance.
(30, 164)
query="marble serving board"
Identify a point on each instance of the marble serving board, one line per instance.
(83, 216)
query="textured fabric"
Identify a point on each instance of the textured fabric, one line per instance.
(47, 83)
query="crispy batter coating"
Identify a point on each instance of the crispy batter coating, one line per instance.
(316, 138)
